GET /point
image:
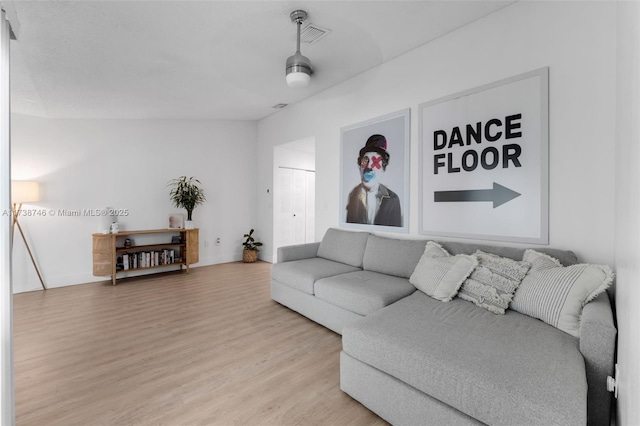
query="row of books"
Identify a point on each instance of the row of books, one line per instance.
(147, 259)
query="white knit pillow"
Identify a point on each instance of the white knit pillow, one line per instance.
(556, 294)
(493, 283)
(440, 275)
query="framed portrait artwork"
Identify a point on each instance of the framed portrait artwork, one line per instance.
(176, 221)
(374, 173)
(484, 166)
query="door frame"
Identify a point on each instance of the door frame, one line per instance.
(297, 154)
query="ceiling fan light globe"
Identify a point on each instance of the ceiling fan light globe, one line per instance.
(298, 79)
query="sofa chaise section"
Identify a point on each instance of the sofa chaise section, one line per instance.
(489, 367)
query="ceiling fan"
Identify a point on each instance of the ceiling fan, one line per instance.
(298, 69)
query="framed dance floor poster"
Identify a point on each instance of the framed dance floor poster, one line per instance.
(484, 162)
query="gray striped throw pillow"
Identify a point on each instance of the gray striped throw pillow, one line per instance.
(556, 294)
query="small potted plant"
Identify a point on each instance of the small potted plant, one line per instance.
(185, 193)
(251, 248)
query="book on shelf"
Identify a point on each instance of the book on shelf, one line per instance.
(147, 259)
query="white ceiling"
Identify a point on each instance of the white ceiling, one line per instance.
(203, 59)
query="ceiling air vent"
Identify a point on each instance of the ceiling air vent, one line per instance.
(312, 33)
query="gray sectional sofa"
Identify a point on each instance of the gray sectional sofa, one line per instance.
(413, 359)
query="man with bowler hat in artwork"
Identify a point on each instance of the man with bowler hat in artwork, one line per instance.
(371, 202)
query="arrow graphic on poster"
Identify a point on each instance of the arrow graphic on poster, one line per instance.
(498, 195)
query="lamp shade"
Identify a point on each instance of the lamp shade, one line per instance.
(24, 192)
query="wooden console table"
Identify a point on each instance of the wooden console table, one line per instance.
(109, 259)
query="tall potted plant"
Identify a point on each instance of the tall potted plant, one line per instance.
(251, 248)
(185, 193)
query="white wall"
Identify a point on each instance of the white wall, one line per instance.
(594, 196)
(92, 164)
(576, 40)
(627, 230)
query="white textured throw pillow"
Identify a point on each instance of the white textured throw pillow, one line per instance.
(556, 294)
(493, 283)
(440, 275)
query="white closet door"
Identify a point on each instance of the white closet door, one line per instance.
(296, 206)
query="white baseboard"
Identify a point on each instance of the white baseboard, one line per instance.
(77, 279)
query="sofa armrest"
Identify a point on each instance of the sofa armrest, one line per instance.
(297, 252)
(597, 344)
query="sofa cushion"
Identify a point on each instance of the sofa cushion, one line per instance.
(343, 246)
(493, 283)
(392, 256)
(362, 292)
(440, 275)
(301, 274)
(500, 369)
(565, 257)
(556, 294)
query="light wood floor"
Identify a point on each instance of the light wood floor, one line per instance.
(207, 348)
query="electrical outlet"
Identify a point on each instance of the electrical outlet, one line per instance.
(218, 241)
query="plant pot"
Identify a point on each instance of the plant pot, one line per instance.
(188, 224)
(249, 256)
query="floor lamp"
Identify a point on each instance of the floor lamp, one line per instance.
(24, 192)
